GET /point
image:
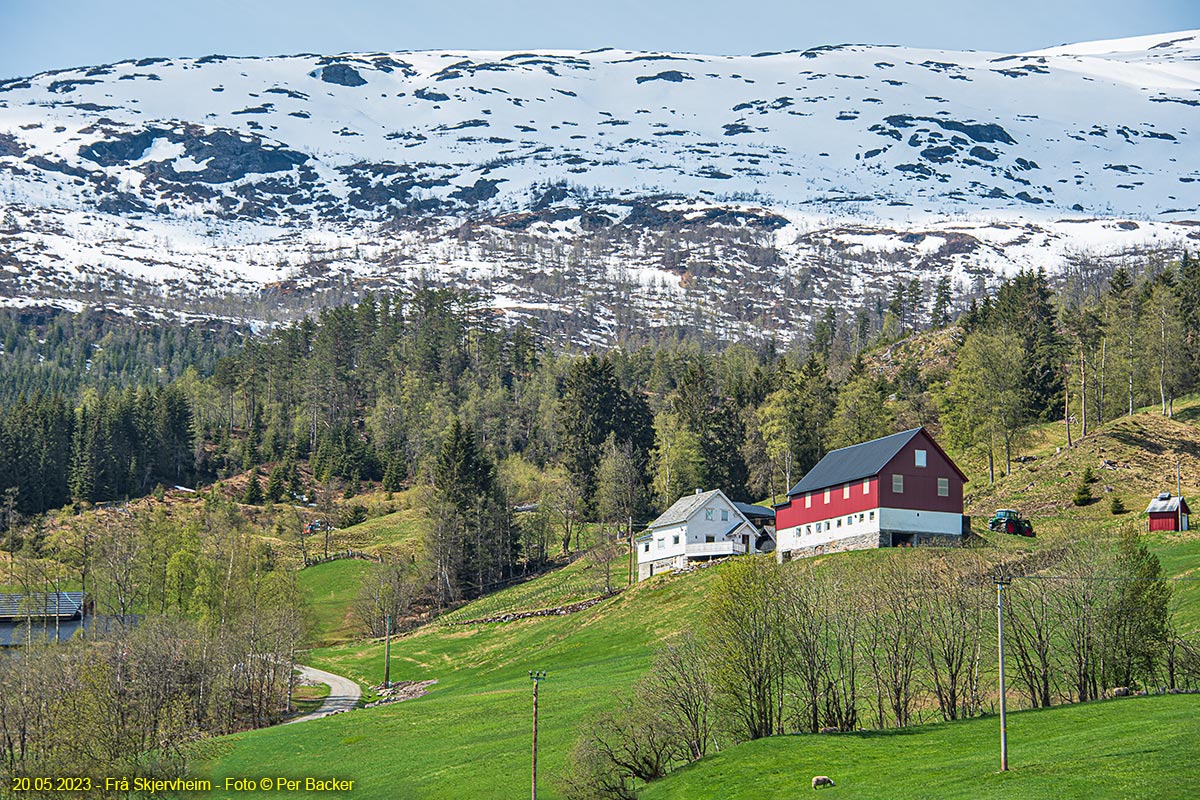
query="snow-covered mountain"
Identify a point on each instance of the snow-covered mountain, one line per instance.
(595, 184)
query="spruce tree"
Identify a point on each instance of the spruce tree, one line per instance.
(254, 494)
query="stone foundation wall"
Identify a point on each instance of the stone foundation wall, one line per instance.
(648, 568)
(865, 541)
(868, 541)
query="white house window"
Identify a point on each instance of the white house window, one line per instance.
(839, 522)
(846, 492)
(662, 543)
(867, 486)
(943, 487)
(850, 520)
(724, 515)
(826, 495)
(920, 454)
(710, 538)
(898, 483)
(647, 548)
(708, 514)
(675, 539)
(808, 501)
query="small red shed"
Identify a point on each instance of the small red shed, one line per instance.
(1168, 513)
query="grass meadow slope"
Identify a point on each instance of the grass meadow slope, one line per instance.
(1142, 747)
(469, 736)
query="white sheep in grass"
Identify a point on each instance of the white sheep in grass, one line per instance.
(822, 780)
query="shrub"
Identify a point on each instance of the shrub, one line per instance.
(352, 515)
(1083, 495)
(1117, 506)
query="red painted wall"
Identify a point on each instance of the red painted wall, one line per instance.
(920, 483)
(796, 514)
(920, 489)
(1164, 521)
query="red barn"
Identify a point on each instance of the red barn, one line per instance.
(896, 491)
(1168, 513)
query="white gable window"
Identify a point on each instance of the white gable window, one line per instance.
(826, 495)
(808, 499)
(846, 492)
(708, 514)
(898, 483)
(646, 549)
(867, 486)
(943, 487)
(724, 515)
(662, 544)
(675, 539)
(920, 457)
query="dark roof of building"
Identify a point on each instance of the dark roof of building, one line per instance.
(855, 462)
(41, 604)
(1165, 503)
(753, 512)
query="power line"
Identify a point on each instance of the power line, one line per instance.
(1097, 578)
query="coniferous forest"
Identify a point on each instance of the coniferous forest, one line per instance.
(432, 387)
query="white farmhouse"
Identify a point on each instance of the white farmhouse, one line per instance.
(697, 527)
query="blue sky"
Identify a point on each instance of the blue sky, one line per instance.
(37, 35)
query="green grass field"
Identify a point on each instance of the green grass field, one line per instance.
(470, 735)
(330, 590)
(1130, 748)
(582, 579)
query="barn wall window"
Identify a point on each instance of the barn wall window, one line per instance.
(846, 492)
(826, 495)
(943, 487)
(898, 483)
(867, 486)
(920, 454)
(808, 500)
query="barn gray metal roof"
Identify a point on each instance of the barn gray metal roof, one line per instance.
(41, 604)
(854, 462)
(1167, 504)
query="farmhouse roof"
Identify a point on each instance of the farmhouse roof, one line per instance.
(683, 508)
(858, 461)
(1165, 503)
(41, 604)
(753, 512)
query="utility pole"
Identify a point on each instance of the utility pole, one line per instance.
(535, 675)
(1001, 582)
(387, 654)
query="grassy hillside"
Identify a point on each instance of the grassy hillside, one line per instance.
(331, 590)
(1131, 748)
(469, 737)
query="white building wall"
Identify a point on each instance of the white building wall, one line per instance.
(662, 543)
(903, 520)
(871, 522)
(828, 530)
